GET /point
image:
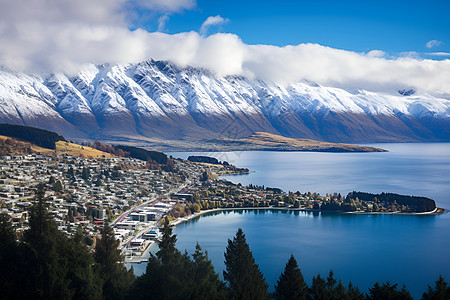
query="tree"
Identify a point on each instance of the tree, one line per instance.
(206, 282)
(84, 279)
(8, 258)
(109, 262)
(172, 275)
(57, 186)
(318, 288)
(163, 278)
(340, 292)
(388, 292)
(48, 265)
(241, 272)
(291, 284)
(354, 293)
(440, 292)
(85, 173)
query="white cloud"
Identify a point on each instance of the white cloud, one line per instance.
(166, 6)
(65, 34)
(376, 53)
(433, 43)
(438, 54)
(162, 21)
(212, 21)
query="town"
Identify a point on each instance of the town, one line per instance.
(136, 198)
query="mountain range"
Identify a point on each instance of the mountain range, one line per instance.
(158, 100)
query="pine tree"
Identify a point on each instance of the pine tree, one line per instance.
(242, 273)
(440, 292)
(109, 262)
(84, 280)
(48, 264)
(340, 293)
(291, 284)
(8, 258)
(163, 278)
(172, 275)
(388, 292)
(206, 282)
(354, 293)
(57, 186)
(85, 173)
(319, 289)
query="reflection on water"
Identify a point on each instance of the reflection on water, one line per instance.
(413, 169)
(411, 250)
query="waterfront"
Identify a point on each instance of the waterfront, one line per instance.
(411, 250)
(420, 169)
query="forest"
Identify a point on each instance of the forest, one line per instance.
(44, 263)
(39, 137)
(415, 204)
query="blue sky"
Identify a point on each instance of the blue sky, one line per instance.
(391, 26)
(370, 45)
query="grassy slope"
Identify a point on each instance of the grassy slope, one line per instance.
(61, 148)
(268, 140)
(257, 141)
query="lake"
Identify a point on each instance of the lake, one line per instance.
(411, 250)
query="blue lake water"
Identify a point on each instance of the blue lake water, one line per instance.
(411, 250)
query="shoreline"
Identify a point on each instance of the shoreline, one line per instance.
(178, 221)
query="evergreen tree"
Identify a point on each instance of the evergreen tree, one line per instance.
(57, 186)
(291, 284)
(85, 173)
(172, 275)
(8, 258)
(318, 290)
(331, 282)
(84, 280)
(206, 282)
(388, 292)
(340, 293)
(440, 292)
(109, 262)
(354, 293)
(48, 265)
(241, 272)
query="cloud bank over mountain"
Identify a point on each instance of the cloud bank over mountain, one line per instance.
(61, 35)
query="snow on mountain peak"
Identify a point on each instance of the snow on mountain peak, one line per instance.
(156, 98)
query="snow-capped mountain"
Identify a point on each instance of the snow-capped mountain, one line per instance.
(157, 99)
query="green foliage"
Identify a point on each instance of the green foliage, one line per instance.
(241, 272)
(329, 289)
(55, 266)
(172, 275)
(85, 174)
(57, 186)
(417, 204)
(291, 284)
(440, 292)
(40, 137)
(109, 263)
(143, 154)
(388, 292)
(203, 159)
(44, 263)
(354, 293)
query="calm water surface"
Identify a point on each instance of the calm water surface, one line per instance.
(411, 250)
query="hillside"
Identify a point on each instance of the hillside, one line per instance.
(156, 100)
(11, 146)
(268, 141)
(36, 136)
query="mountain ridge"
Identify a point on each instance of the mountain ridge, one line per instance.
(156, 99)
